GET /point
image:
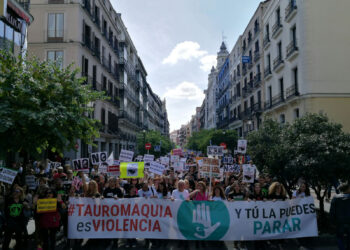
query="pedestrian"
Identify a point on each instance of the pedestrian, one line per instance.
(340, 213)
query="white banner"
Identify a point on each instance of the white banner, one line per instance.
(156, 168)
(126, 155)
(232, 168)
(242, 146)
(164, 160)
(7, 175)
(194, 220)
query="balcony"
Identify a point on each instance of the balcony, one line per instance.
(250, 40)
(267, 72)
(250, 66)
(292, 50)
(246, 114)
(256, 55)
(257, 80)
(266, 42)
(223, 123)
(87, 6)
(290, 10)
(257, 108)
(278, 63)
(246, 90)
(292, 91)
(276, 28)
(256, 30)
(274, 102)
(244, 70)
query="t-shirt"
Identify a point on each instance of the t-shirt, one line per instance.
(146, 194)
(177, 195)
(200, 197)
(215, 198)
(298, 195)
(110, 193)
(236, 196)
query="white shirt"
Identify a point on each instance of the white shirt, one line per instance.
(215, 198)
(296, 195)
(146, 194)
(177, 195)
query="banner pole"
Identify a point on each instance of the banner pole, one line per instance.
(210, 173)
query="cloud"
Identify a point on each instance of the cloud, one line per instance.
(184, 51)
(185, 91)
(207, 62)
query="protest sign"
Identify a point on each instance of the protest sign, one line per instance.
(174, 158)
(46, 205)
(77, 183)
(178, 166)
(248, 173)
(126, 156)
(227, 160)
(31, 182)
(177, 151)
(148, 158)
(232, 169)
(156, 168)
(185, 220)
(114, 170)
(102, 167)
(55, 165)
(139, 158)
(210, 165)
(7, 175)
(98, 157)
(131, 169)
(188, 166)
(164, 160)
(215, 150)
(81, 165)
(242, 146)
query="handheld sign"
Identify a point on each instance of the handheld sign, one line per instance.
(210, 167)
(242, 146)
(232, 169)
(248, 173)
(156, 168)
(215, 150)
(114, 169)
(81, 165)
(46, 205)
(132, 169)
(31, 182)
(7, 175)
(126, 155)
(148, 158)
(99, 157)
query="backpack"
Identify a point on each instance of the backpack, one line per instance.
(50, 220)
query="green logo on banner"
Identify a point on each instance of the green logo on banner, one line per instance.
(203, 220)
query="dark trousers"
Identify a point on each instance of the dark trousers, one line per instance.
(49, 238)
(344, 240)
(20, 237)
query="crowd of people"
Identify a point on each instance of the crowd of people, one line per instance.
(62, 182)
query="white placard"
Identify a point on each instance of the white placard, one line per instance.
(7, 175)
(232, 168)
(148, 158)
(175, 158)
(242, 146)
(126, 155)
(248, 173)
(215, 150)
(98, 157)
(156, 168)
(81, 165)
(164, 160)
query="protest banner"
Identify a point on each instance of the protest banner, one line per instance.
(156, 168)
(215, 150)
(7, 175)
(98, 157)
(81, 165)
(126, 156)
(131, 169)
(46, 205)
(191, 220)
(174, 158)
(164, 160)
(210, 165)
(178, 166)
(177, 151)
(148, 158)
(232, 169)
(242, 146)
(227, 160)
(114, 170)
(248, 173)
(31, 182)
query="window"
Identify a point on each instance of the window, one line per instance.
(270, 95)
(282, 88)
(103, 117)
(267, 30)
(56, 56)
(295, 78)
(55, 27)
(278, 15)
(296, 113)
(294, 35)
(269, 61)
(282, 119)
(279, 50)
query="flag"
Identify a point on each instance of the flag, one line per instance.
(110, 159)
(132, 169)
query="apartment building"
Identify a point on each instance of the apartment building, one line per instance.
(92, 35)
(14, 21)
(306, 59)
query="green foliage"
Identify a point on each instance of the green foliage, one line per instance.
(312, 148)
(155, 138)
(200, 140)
(43, 107)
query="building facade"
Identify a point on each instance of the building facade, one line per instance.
(92, 35)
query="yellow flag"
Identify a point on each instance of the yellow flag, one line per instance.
(132, 169)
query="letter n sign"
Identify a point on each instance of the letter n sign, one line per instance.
(99, 157)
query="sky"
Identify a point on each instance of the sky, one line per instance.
(177, 41)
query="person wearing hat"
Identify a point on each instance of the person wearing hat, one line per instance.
(60, 174)
(340, 213)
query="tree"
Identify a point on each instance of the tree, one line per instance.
(43, 107)
(155, 138)
(200, 140)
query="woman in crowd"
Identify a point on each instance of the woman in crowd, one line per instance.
(277, 192)
(236, 194)
(200, 194)
(257, 195)
(301, 192)
(218, 194)
(92, 190)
